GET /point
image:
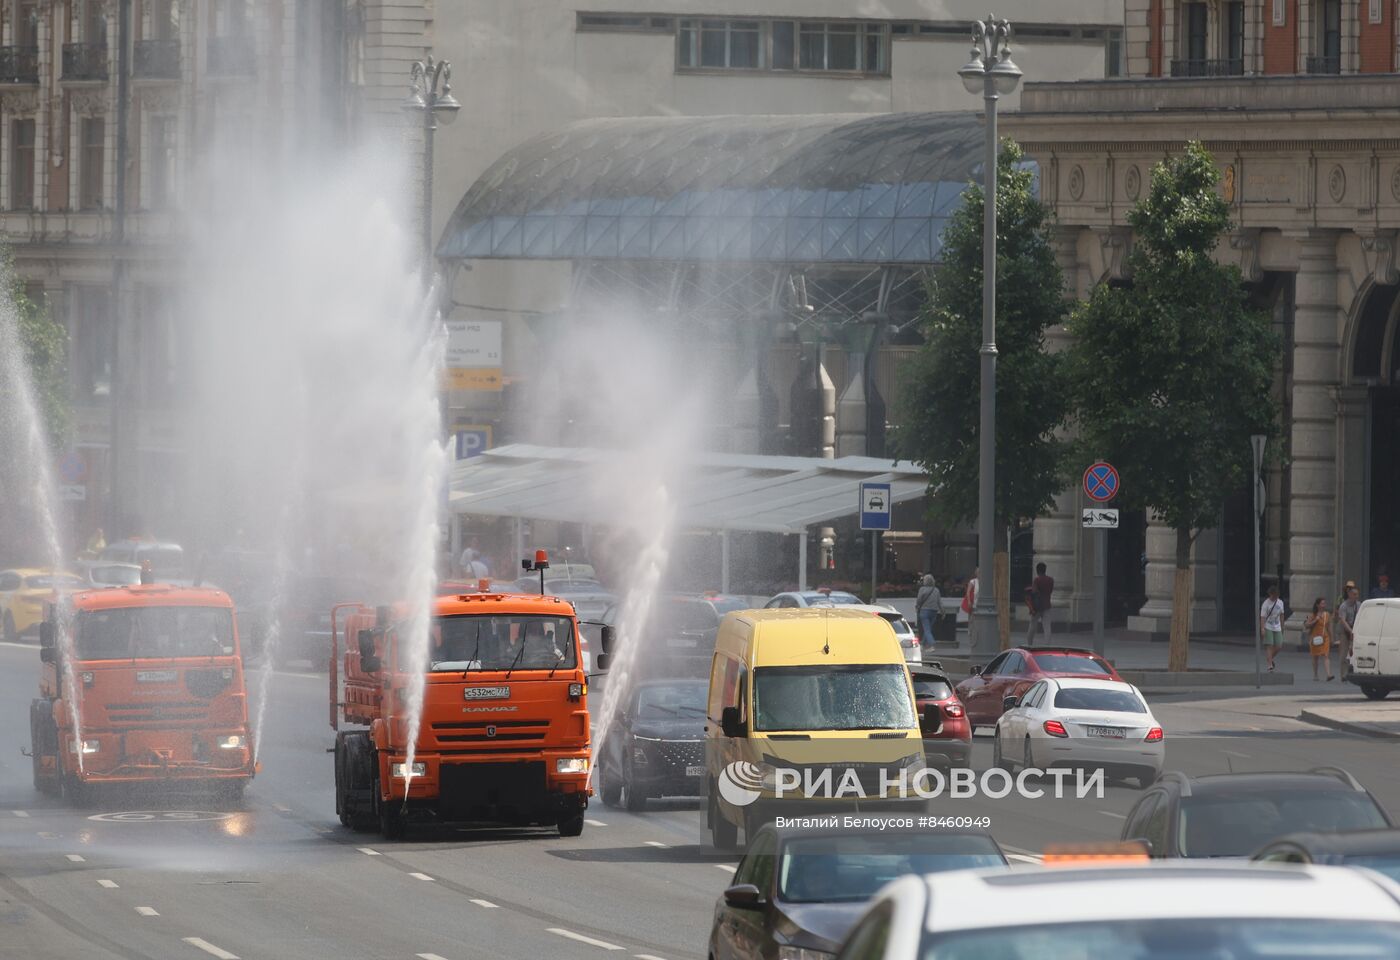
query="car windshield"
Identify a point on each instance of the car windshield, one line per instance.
(499, 642)
(1095, 698)
(669, 701)
(47, 581)
(174, 631)
(1069, 663)
(117, 574)
(853, 867)
(1173, 939)
(820, 597)
(932, 689)
(1236, 826)
(689, 615)
(860, 697)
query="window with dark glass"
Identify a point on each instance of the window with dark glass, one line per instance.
(94, 141)
(94, 22)
(1331, 34)
(27, 23)
(1234, 35)
(1196, 19)
(161, 165)
(784, 44)
(720, 44)
(91, 345)
(21, 164)
(1113, 53)
(842, 46)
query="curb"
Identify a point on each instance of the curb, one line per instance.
(1361, 729)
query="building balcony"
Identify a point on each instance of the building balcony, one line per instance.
(1207, 68)
(85, 61)
(157, 60)
(1324, 64)
(19, 64)
(232, 57)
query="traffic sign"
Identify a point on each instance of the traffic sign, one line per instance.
(72, 491)
(874, 506)
(1098, 518)
(1101, 482)
(473, 440)
(72, 468)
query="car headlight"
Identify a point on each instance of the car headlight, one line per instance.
(803, 953)
(231, 742)
(571, 765)
(397, 770)
(89, 746)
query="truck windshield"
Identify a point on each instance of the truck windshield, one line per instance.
(821, 697)
(502, 642)
(153, 632)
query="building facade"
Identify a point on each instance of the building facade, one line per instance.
(1298, 101)
(94, 219)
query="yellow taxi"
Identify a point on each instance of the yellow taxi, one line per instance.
(23, 593)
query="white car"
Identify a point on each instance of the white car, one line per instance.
(1083, 723)
(813, 598)
(908, 636)
(1162, 911)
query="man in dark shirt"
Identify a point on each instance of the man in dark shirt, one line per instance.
(1041, 589)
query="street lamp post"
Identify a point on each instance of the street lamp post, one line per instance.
(991, 72)
(424, 96)
(1256, 442)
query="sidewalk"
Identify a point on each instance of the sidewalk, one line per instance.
(1368, 718)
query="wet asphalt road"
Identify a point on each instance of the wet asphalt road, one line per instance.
(276, 876)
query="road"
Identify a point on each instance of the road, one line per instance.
(276, 876)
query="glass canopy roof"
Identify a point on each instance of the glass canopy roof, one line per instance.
(793, 190)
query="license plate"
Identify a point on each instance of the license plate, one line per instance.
(156, 676)
(486, 693)
(1114, 733)
(694, 771)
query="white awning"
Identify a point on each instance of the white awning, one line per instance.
(717, 491)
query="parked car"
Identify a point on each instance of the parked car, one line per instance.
(108, 573)
(1143, 912)
(1234, 814)
(23, 593)
(589, 597)
(812, 598)
(1086, 724)
(908, 637)
(1377, 850)
(1376, 652)
(942, 719)
(1010, 674)
(167, 559)
(796, 893)
(656, 745)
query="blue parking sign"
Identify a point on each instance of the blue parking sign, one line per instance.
(875, 506)
(472, 441)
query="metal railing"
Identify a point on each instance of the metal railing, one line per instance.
(1207, 68)
(1324, 64)
(232, 57)
(157, 60)
(85, 61)
(19, 64)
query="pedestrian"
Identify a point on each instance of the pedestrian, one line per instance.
(1041, 588)
(969, 604)
(1382, 589)
(1318, 630)
(1271, 625)
(1346, 623)
(928, 608)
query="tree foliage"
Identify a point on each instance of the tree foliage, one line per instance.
(1173, 372)
(44, 343)
(940, 395)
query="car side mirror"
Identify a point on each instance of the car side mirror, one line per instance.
(974, 671)
(743, 896)
(46, 636)
(730, 723)
(607, 637)
(1009, 703)
(48, 654)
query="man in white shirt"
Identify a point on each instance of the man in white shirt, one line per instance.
(1271, 624)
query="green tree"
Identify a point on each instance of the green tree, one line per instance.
(940, 395)
(45, 345)
(1173, 372)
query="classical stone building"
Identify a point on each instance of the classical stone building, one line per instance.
(1299, 102)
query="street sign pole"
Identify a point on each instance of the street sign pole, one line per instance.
(1256, 443)
(1101, 484)
(874, 563)
(1100, 586)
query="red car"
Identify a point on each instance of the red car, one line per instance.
(1012, 672)
(942, 719)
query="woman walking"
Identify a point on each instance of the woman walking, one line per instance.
(1319, 631)
(928, 607)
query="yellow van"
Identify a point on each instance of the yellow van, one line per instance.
(810, 709)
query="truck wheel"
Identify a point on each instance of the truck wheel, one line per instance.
(393, 824)
(43, 740)
(723, 834)
(359, 780)
(610, 791)
(1375, 693)
(571, 824)
(76, 792)
(10, 633)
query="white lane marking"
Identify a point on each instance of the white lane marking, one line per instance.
(647, 956)
(210, 949)
(483, 903)
(723, 866)
(1110, 813)
(421, 876)
(18, 646)
(602, 944)
(429, 956)
(147, 911)
(74, 857)
(109, 884)
(658, 844)
(368, 851)
(48, 836)
(20, 813)
(281, 808)
(591, 823)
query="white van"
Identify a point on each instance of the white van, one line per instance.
(1376, 652)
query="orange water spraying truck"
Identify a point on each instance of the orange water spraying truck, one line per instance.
(156, 696)
(504, 730)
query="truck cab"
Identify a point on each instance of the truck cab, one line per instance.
(504, 730)
(141, 684)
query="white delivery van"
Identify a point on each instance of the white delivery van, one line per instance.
(1376, 652)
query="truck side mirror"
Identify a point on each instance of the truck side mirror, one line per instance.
(730, 723)
(46, 637)
(601, 661)
(607, 637)
(48, 654)
(369, 661)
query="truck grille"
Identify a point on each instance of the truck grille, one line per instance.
(491, 731)
(168, 712)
